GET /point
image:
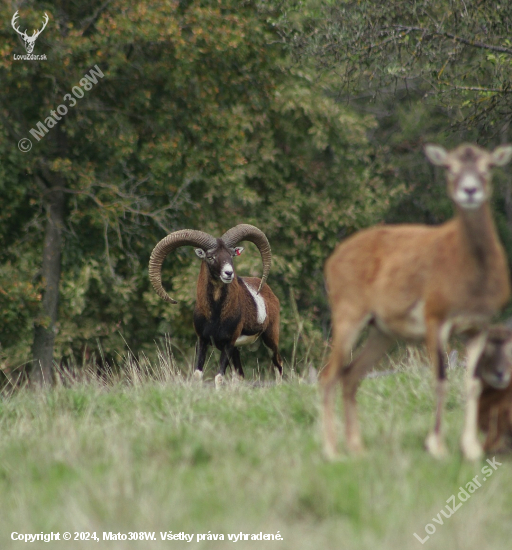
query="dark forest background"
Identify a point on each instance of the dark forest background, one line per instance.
(306, 119)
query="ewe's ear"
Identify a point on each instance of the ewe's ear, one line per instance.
(501, 155)
(237, 251)
(200, 253)
(436, 154)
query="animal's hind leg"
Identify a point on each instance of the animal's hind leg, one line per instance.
(374, 348)
(345, 333)
(278, 366)
(237, 364)
(437, 339)
(271, 339)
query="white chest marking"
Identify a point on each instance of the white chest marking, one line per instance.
(261, 310)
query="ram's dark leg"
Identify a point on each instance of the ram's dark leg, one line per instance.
(237, 362)
(201, 349)
(271, 340)
(225, 358)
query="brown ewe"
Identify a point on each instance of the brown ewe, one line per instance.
(420, 284)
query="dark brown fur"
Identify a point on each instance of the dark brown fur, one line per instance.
(495, 404)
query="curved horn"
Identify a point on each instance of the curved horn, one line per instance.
(183, 237)
(246, 232)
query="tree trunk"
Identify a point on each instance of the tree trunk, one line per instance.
(44, 326)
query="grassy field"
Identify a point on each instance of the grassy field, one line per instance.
(158, 454)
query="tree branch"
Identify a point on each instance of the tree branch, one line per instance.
(472, 43)
(479, 89)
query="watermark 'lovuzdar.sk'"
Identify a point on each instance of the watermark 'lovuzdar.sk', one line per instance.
(29, 57)
(29, 41)
(463, 495)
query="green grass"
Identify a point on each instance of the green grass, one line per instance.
(142, 454)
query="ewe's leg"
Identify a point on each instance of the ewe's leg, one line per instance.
(328, 379)
(345, 334)
(201, 349)
(376, 345)
(471, 448)
(436, 343)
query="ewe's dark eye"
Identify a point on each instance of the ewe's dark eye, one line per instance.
(210, 258)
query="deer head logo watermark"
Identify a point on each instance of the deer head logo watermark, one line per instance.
(28, 41)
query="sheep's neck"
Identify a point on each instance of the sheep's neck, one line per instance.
(479, 237)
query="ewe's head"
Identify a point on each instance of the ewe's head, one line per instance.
(216, 253)
(495, 364)
(219, 261)
(468, 171)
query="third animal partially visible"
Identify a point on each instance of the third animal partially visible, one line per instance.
(494, 369)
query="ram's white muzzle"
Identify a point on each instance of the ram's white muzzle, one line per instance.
(227, 273)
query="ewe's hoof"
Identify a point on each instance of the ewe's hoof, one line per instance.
(198, 375)
(356, 447)
(435, 446)
(330, 452)
(471, 449)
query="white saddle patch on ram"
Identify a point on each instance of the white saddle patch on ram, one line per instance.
(261, 310)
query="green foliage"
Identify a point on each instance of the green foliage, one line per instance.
(457, 54)
(19, 300)
(198, 122)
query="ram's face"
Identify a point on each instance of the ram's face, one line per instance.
(219, 261)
